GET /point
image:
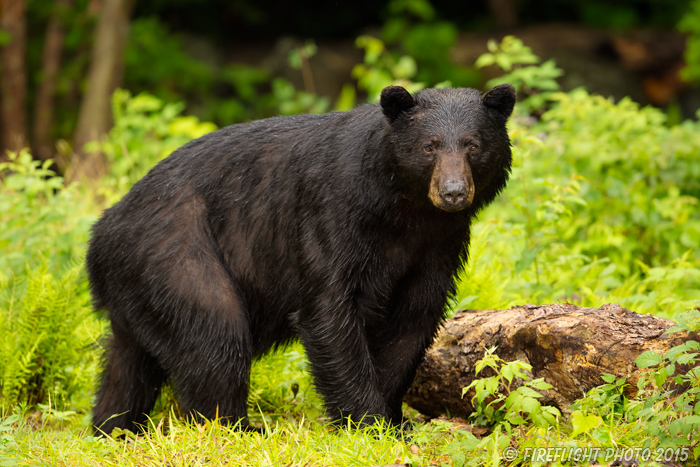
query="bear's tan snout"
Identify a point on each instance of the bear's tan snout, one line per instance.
(451, 186)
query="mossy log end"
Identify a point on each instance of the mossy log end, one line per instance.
(567, 345)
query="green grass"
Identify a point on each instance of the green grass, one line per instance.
(212, 444)
(283, 402)
(173, 442)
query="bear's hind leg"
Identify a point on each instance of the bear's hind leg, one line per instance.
(130, 385)
(212, 376)
(198, 328)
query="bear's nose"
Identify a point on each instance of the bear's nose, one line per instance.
(454, 193)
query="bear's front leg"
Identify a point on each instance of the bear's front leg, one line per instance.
(333, 335)
(398, 352)
(414, 315)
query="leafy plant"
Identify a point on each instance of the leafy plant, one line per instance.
(510, 397)
(414, 30)
(39, 216)
(413, 51)
(535, 81)
(594, 417)
(47, 353)
(600, 207)
(145, 131)
(381, 68)
(606, 400)
(7, 439)
(291, 101)
(690, 24)
(670, 417)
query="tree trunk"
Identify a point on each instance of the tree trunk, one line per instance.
(569, 346)
(50, 67)
(104, 76)
(504, 12)
(13, 78)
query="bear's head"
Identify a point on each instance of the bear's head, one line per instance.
(449, 146)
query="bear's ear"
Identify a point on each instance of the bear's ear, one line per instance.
(501, 98)
(395, 100)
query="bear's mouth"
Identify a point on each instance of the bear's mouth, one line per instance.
(451, 204)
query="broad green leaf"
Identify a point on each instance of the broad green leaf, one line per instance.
(530, 405)
(608, 378)
(648, 359)
(528, 392)
(582, 423)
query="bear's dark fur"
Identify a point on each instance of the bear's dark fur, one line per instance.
(345, 230)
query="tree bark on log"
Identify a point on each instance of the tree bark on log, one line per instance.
(569, 346)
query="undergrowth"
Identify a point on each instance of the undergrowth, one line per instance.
(602, 206)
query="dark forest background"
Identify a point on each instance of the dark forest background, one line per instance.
(232, 61)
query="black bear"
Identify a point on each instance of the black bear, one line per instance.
(344, 230)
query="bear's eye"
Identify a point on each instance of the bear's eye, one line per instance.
(473, 147)
(428, 149)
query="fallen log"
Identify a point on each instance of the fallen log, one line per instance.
(569, 346)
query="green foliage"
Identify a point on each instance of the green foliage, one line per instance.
(46, 354)
(414, 29)
(594, 416)
(608, 399)
(145, 131)
(508, 402)
(670, 416)
(158, 64)
(48, 331)
(7, 438)
(258, 95)
(282, 388)
(246, 81)
(601, 207)
(291, 101)
(300, 55)
(690, 24)
(155, 60)
(646, 175)
(510, 397)
(381, 68)
(38, 215)
(535, 82)
(581, 423)
(413, 52)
